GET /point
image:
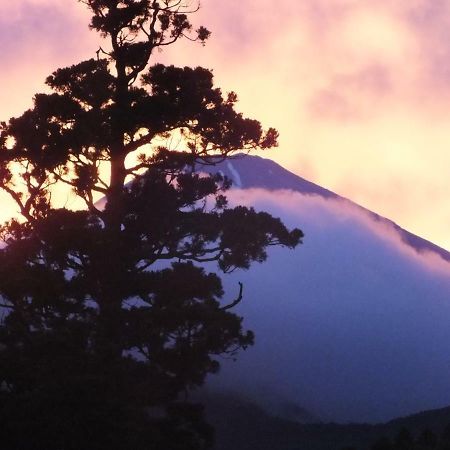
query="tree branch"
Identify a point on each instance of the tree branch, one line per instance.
(235, 302)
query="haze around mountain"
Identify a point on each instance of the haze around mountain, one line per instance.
(353, 326)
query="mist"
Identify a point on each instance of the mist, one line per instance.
(353, 325)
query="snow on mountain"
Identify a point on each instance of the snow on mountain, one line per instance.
(354, 325)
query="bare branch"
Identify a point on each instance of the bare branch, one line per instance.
(235, 302)
(135, 145)
(24, 210)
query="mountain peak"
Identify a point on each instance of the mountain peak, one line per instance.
(250, 171)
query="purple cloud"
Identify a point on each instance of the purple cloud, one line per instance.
(32, 28)
(351, 96)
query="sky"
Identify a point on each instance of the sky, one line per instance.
(359, 90)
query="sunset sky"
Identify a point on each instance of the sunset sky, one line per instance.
(359, 89)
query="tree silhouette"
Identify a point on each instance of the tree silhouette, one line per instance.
(427, 440)
(404, 440)
(108, 314)
(383, 443)
(444, 441)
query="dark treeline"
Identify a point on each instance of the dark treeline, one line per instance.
(406, 440)
(409, 440)
(241, 425)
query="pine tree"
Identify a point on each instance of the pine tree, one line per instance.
(108, 314)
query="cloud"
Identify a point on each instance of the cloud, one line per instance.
(353, 96)
(353, 325)
(430, 21)
(38, 36)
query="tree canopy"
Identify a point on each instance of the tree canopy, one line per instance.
(109, 315)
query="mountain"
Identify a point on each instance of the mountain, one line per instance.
(354, 325)
(241, 425)
(248, 171)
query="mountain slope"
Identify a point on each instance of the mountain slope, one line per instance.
(352, 326)
(248, 171)
(240, 425)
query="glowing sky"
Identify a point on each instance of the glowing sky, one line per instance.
(359, 90)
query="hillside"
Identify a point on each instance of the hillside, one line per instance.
(353, 326)
(241, 425)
